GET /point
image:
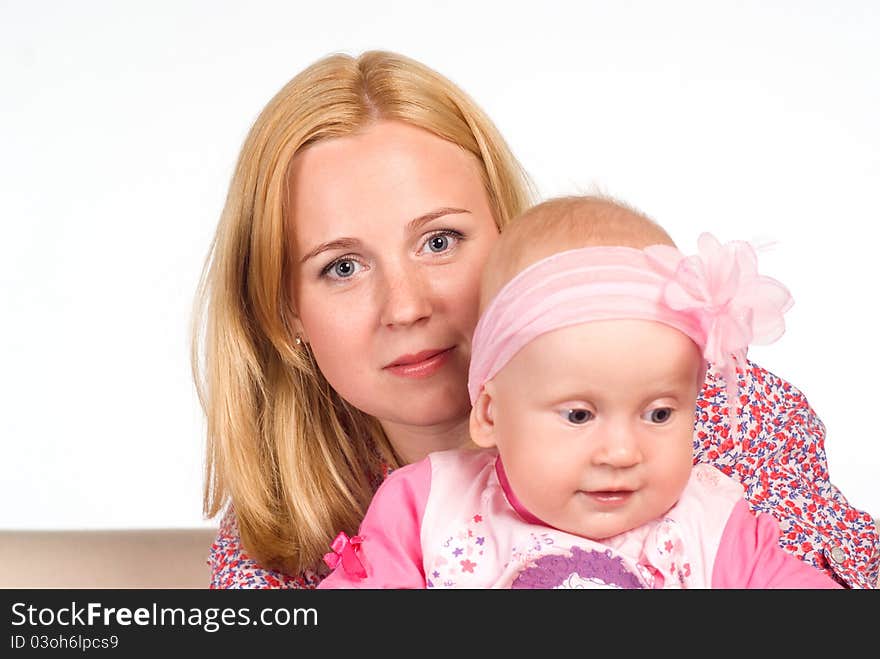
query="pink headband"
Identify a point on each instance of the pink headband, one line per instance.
(716, 297)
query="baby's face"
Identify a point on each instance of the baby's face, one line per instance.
(594, 424)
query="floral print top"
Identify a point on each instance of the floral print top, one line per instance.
(777, 453)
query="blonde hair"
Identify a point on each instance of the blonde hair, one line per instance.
(564, 223)
(298, 463)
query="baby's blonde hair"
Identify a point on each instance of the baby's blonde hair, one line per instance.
(297, 462)
(561, 224)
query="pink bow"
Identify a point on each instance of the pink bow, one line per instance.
(345, 550)
(737, 306)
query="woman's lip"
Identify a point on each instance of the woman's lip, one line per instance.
(420, 365)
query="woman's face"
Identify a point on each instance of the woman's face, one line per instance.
(390, 231)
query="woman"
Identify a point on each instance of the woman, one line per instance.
(336, 313)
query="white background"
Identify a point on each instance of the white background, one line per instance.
(120, 124)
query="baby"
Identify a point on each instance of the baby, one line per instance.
(592, 345)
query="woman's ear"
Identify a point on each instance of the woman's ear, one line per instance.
(291, 317)
(482, 424)
(298, 330)
(296, 326)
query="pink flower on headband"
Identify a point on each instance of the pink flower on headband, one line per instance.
(721, 285)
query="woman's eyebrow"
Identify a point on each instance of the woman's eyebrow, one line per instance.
(416, 223)
(339, 243)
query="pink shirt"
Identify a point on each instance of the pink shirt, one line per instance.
(777, 453)
(451, 521)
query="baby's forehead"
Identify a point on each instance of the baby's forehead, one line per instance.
(625, 359)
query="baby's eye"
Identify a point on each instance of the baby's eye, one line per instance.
(577, 416)
(441, 241)
(341, 268)
(659, 415)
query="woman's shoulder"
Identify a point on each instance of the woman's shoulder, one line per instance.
(232, 568)
(777, 451)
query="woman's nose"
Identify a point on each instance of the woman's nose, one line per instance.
(407, 296)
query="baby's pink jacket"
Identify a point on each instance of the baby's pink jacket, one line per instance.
(451, 521)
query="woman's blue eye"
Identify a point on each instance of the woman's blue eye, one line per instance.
(661, 415)
(578, 416)
(341, 269)
(438, 243)
(442, 241)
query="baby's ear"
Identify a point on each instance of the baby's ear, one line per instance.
(482, 425)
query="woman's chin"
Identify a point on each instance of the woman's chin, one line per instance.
(427, 412)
